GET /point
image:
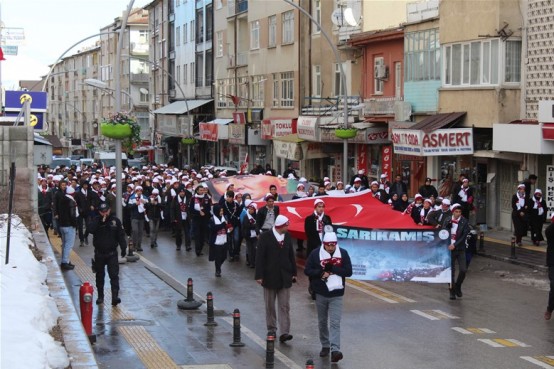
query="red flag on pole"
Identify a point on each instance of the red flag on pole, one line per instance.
(2, 54)
(244, 165)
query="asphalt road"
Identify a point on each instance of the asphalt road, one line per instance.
(497, 324)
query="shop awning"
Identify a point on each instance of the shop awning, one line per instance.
(437, 121)
(222, 121)
(181, 106)
(293, 137)
(54, 140)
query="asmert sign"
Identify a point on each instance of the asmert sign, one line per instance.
(452, 141)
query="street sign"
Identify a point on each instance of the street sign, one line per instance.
(9, 49)
(13, 36)
(36, 120)
(15, 100)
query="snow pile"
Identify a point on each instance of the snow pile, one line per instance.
(28, 313)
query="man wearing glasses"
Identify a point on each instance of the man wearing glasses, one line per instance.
(107, 232)
(327, 267)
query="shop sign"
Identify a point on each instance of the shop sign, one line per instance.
(386, 160)
(239, 117)
(281, 127)
(363, 153)
(307, 128)
(377, 135)
(208, 131)
(288, 150)
(267, 133)
(549, 190)
(237, 134)
(453, 141)
(313, 150)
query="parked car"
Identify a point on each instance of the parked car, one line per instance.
(104, 158)
(59, 161)
(231, 171)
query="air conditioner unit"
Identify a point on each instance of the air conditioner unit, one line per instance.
(381, 71)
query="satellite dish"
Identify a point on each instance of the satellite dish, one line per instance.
(336, 17)
(349, 17)
(143, 91)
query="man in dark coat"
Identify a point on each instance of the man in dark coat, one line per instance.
(107, 233)
(459, 230)
(537, 216)
(464, 197)
(398, 186)
(276, 271)
(529, 182)
(314, 225)
(179, 217)
(520, 213)
(45, 204)
(441, 217)
(550, 263)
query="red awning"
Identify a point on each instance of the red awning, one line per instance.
(438, 121)
(548, 131)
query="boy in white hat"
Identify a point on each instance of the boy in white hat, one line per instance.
(327, 267)
(276, 271)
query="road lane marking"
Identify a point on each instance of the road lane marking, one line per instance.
(472, 330)
(434, 314)
(503, 342)
(262, 343)
(546, 362)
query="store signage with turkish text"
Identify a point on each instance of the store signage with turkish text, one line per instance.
(313, 150)
(386, 160)
(208, 131)
(549, 190)
(307, 128)
(287, 150)
(237, 134)
(453, 141)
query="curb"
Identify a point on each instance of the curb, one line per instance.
(76, 342)
(513, 261)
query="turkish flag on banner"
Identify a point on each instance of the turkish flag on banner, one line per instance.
(352, 210)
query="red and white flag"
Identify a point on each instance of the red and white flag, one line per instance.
(244, 165)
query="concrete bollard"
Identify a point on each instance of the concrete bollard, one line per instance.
(513, 248)
(482, 241)
(189, 303)
(310, 364)
(236, 330)
(210, 310)
(270, 350)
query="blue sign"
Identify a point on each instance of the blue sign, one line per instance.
(15, 100)
(37, 119)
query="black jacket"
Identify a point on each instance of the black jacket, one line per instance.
(314, 271)
(247, 226)
(175, 207)
(310, 228)
(107, 235)
(439, 218)
(427, 191)
(262, 213)
(461, 233)
(65, 210)
(275, 264)
(205, 205)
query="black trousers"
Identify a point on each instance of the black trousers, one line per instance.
(182, 227)
(200, 226)
(460, 257)
(551, 294)
(110, 260)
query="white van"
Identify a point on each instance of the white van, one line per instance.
(104, 158)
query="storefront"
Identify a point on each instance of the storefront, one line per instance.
(216, 135)
(275, 128)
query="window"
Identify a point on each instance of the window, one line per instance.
(192, 72)
(178, 73)
(272, 31)
(224, 88)
(275, 98)
(316, 80)
(288, 28)
(185, 33)
(487, 62)
(255, 35)
(219, 44)
(192, 29)
(199, 73)
(258, 96)
(218, 4)
(185, 73)
(287, 89)
(143, 36)
(378, 84)
(317, 15)
(422, 55)
(338, 88)
(178, 36)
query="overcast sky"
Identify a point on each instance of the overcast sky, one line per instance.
(52, 26)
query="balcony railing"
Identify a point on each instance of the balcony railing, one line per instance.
(314, 105)
(236, 7)
(380, 105)
(139, 77)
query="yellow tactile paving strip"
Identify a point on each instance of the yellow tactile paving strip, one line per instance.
(147, 349)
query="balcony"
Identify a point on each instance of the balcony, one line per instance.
(314, 105)
(380, 105)
(235, 7)
(139, 77)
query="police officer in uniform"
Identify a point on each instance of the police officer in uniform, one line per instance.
(108, 233)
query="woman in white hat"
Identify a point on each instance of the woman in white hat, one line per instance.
(537, 216)
(520, 213)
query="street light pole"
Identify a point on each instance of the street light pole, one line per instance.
(343, 79)
(117, 77)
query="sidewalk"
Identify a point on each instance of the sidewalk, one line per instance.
(497, 245)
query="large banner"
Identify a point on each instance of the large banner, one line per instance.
(399, 255)
(255, 185)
